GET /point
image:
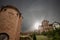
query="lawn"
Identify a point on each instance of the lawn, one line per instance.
(38, 37)
(41, 37)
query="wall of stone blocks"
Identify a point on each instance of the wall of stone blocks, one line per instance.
(10, 23)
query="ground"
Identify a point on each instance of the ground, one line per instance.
(41, 37)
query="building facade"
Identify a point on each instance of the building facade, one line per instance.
(45, 26)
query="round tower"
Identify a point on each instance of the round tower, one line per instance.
(45, 25)
(10, 23)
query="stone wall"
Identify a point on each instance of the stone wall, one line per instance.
(10, 23)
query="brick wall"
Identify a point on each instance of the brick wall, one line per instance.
(10, 23)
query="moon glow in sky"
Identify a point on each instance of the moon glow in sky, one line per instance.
(36, 25)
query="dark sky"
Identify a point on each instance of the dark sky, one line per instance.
(35, 10)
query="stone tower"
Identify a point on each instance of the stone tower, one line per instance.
(10, 23)
(45, 25)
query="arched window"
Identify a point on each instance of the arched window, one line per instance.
(56, 25)
(4, 36)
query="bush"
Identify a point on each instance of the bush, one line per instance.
(54, 34)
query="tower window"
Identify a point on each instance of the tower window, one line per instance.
(4, 36)
(17, 14)
(4, 9)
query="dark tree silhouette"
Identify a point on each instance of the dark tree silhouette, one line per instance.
(34, 36)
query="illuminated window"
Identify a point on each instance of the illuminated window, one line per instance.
(4, 36)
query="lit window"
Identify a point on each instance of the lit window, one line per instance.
(4, 36)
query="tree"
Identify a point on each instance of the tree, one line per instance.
(34, 36)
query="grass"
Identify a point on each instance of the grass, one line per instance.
(41, 37)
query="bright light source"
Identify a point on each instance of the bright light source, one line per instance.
(36, 25)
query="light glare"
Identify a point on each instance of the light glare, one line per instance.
(36, 25)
